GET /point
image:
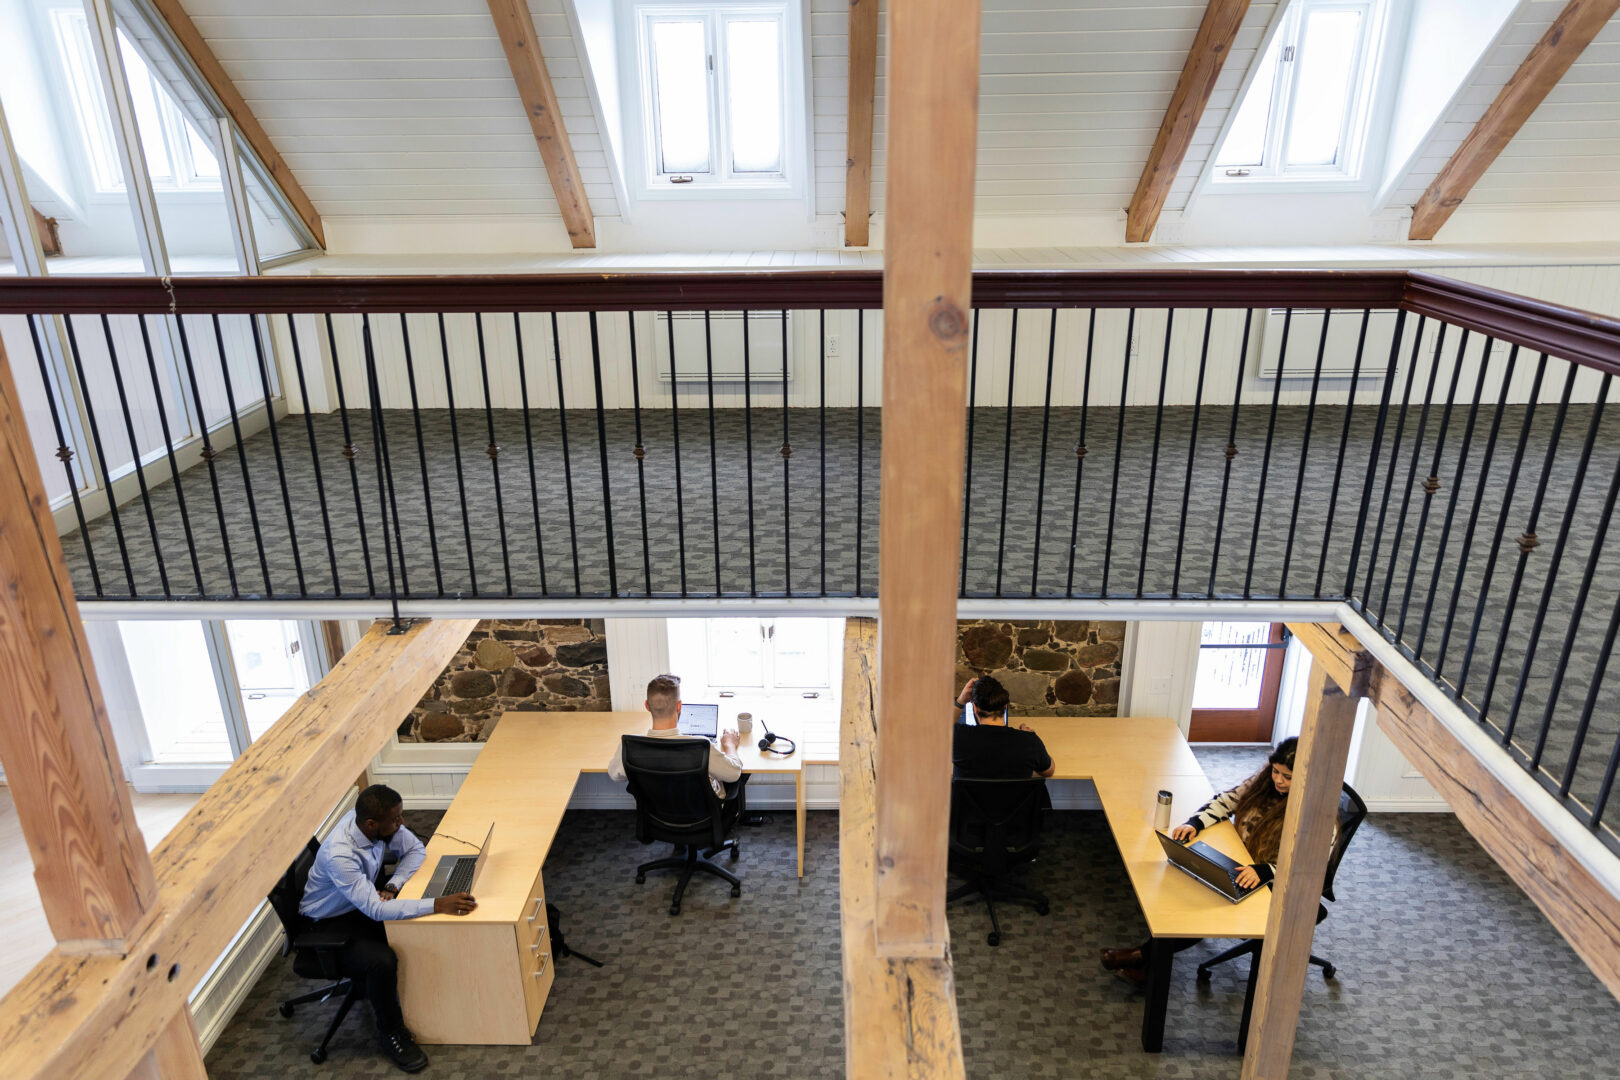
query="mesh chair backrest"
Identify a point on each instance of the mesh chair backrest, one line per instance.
(997, 820)
(1352, 811)
(289, 891)
(669, 778)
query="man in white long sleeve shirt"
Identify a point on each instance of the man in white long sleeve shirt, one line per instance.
(664, 704)
(341, 895)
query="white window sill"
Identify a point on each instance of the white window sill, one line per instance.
(695, 192)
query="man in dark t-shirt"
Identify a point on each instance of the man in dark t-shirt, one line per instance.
(991, 748)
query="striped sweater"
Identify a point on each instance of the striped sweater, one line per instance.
(1222, 807)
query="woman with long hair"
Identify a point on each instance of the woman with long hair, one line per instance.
(1256, 807)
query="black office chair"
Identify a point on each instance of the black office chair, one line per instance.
(315, 953)
(676, 804)
(1352, 812)
(995, 828)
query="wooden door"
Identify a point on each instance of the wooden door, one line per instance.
(1239, 675)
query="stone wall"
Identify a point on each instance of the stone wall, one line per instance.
(1050, 668)
(525, 665)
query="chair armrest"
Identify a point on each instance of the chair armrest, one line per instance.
(321, 940)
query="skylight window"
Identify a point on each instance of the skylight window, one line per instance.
(178, 157)
(1305, 113)
(714, 89)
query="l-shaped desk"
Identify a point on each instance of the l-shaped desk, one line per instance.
(484, 977)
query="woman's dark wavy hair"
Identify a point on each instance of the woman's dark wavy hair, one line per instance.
(1262, 802)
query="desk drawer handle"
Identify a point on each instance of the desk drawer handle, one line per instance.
(544, 960)
(539, 901)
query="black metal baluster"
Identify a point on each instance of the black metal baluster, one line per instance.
(1040, 484)
(1585, 723)
(168, 449)
(1153, 458)
(1119, 445)
(675, 425)
(967, 480)
(493, 451)
(1431, 484)
(1451, 502)
(241, 456)
(101, 456)
(528, 444)
(1601, 803)
(1473, 514)
(385, 480)
(1553, 567)
(748, 452)
(421, 452)
(601, 445)
(1006, 450)
(64, 454)
(1528, 542)
(568, 466)
(1192, 450)
(350, 452)
(1304, 450)
(714, 460)
(1079, 454)
(1411, 477)
(314, 455)
(1394, 460)
(275, 446)
(1344, 445)
(860, 440)
(208, 455)
(455, 448)
(1372, 461)
(1581, 594)
(1265, 457)
(135, 452)
(1231, 447)
(822, 408)
(379, 434)
(787, 452)
(1501, 521)
(641, 453)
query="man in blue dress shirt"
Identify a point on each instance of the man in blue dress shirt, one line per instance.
(342, 895)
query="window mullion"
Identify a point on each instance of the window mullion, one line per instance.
(225, 682)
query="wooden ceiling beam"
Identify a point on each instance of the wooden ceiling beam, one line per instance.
(1569, 35)
(863, 35)
(516, 28)
(1222, 21)
(191, 39)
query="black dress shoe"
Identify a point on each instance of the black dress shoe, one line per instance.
(402, 1050)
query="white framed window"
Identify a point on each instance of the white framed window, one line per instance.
(178, 156)
(717, 83)
(1304, 115)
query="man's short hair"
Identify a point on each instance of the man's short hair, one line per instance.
(990, 698)
(664, 695)
(375, 802)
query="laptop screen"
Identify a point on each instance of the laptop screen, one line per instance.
(701, 720)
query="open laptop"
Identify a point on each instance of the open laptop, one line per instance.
(1212, 869)
(701, 720)
(457, 873)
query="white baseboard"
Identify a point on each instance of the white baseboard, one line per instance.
(222, 991)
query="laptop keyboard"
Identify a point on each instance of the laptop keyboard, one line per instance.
(461, 877)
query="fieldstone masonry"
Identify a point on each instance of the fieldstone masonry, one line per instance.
(513, 664)
(1050, 667)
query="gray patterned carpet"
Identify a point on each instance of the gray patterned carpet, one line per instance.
(1140, 523)
(1445, 971)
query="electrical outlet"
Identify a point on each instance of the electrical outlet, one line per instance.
(835, 345)
(1159, 685)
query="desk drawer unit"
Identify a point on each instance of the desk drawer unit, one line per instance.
(464, 982)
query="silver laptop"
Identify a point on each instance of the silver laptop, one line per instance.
(701, 720)
(1213, 870)
(457, 873)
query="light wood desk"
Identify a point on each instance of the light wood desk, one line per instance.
(1130, 761)
(483, 978)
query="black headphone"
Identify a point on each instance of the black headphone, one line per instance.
(768, 745)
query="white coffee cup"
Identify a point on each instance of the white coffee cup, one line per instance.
(745, 723)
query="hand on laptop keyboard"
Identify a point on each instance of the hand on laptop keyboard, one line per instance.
(455, 904)
(1246, 878)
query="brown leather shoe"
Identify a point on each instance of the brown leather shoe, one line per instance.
(1119, 959)
(1135, 978)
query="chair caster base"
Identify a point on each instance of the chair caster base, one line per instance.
(1043, 908)
(1203, 975)
(641, 879)
(285, 1009)
(1328, 971)
(317, 1056)
(674, 909)
(734, 853)
(993, 938)
(736, 890)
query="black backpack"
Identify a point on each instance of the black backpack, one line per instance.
(559, 946)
